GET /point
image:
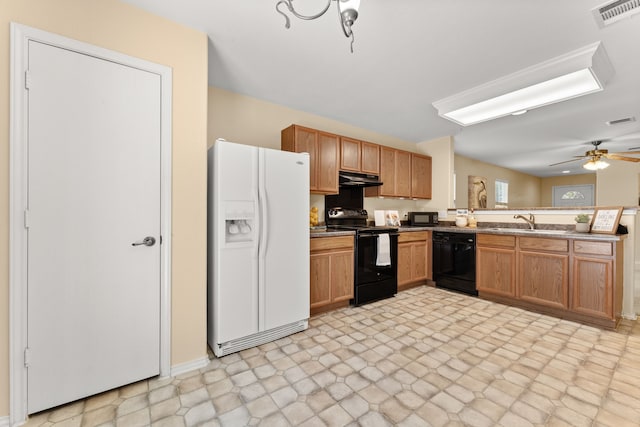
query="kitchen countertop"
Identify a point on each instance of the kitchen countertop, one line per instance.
(563, 234)
(323, 232)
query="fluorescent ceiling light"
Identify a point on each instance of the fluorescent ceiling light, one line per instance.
(577, 73)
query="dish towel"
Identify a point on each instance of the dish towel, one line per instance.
(384, 250)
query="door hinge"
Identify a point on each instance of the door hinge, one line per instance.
(27, 79)
(26, 218)
(27, 357)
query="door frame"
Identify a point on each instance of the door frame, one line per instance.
(20, 37)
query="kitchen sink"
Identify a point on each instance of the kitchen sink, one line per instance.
(526, 230)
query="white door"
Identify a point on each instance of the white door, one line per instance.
(93, 190)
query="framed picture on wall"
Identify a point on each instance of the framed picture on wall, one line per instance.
(605, 220)
(477, 192)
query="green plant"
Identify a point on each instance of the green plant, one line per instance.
(582, 218)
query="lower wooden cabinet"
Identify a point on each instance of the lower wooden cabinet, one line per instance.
(597, 273)
(332, 275)
(414, 258)
(496, 254)
(574, 279)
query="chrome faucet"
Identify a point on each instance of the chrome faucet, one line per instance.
(531, 220)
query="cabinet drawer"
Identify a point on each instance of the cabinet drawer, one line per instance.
(413, 236)
(496, 240)
(593, 248)
(556, 245)
(325, 243)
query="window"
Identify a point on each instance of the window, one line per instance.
(573, 195)
(502, 193)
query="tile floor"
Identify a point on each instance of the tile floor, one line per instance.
(426, 357)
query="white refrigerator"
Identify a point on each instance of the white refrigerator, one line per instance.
(258, 245)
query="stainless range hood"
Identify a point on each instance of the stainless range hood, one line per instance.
(352, 179)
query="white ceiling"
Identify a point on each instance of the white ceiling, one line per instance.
(410, 53)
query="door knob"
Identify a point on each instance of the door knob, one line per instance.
(147, 241)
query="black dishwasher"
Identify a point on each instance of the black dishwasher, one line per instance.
(454, 261)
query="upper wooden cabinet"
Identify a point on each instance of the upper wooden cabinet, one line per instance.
(350, 154)
(370, 158)
(323, 149)
(420, 176)
(404, 174)
(359, 156)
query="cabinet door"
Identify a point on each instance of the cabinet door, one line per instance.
(403, 174)
(327, 164)
(387, 172)
(593, 286)
(420, 176)
(544, 278)
(303, 140)
(370, 154)
(496, 271)
(419, 261)
(404, 263)
(320, 284)
(341, 276)
(349, 154)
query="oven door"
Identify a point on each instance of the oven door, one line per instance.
(367, 270)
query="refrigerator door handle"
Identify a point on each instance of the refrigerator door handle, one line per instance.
(263, 216)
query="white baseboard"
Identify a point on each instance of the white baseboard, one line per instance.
(186, 367)
(4, 421)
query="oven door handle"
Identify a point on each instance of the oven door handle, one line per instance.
(376, 234)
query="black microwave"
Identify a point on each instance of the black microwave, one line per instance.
(423, 219)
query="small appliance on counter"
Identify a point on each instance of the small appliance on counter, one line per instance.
(423, 219)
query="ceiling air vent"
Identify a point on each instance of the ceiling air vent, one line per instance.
(620, 121)
(614, 11)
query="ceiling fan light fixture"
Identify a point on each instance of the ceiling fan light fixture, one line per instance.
(574, 74)
(595, 164)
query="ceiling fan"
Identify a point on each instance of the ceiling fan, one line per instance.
(594, 157)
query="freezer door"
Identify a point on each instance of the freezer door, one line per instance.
(284, 240)
(233, 262)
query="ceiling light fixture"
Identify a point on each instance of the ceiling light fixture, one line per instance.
(347, 12)
(580, 72)
(595, 164)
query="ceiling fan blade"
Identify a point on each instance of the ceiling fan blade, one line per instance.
(626, 152)
(569, 161)
(626, 159)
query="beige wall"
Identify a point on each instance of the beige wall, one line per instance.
(547, 184)
(524, 190)
(247, 120)
(618, 184)
(114, 25)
